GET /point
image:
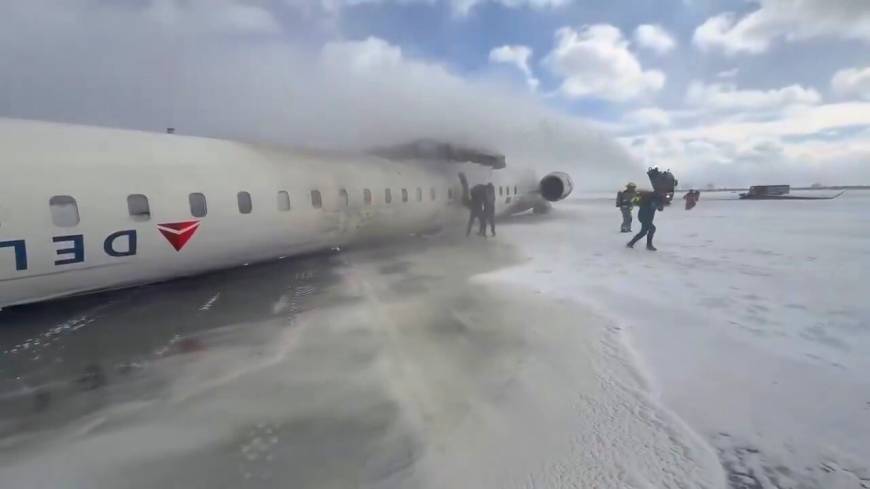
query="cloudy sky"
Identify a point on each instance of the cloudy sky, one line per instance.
(724, 91)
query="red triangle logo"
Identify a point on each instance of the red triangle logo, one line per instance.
(178, 233)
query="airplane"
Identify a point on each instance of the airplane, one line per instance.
(85, 209)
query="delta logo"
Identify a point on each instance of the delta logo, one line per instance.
(178, 233)
(70, 249)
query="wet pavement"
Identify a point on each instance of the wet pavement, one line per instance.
(94, 350)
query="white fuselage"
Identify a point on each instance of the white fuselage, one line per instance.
(69, 225)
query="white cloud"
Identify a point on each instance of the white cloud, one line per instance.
(463, 8)
(648, 117)
(371, 54)
(802, 145)
(852, 82)
(595, 62)
(216, 16)
(784, 19)
(245, 19)
(724, 32)
(728, 73)
(517, 56)
(727, 97)
(654, 37)
(798, 121)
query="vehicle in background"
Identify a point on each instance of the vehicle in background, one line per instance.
(779, 192)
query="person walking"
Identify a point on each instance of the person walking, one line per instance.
(625, 203)
(647, 205)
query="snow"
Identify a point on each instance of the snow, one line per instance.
(751, 323)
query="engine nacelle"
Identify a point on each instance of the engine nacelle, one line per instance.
(556, 186)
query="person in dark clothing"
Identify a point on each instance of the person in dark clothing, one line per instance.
(488, 210)
(647, 203)
(691, 198)
(625, 202)
(475, 208)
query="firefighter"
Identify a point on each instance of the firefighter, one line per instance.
(625, 202)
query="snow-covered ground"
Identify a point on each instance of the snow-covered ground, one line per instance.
(416, 370)
(752, 323)
(551, 356)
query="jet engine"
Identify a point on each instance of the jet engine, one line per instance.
(556, 186)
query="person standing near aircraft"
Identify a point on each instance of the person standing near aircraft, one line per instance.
(647, 203)
(625, 202)
(476, 208)
(489, 210)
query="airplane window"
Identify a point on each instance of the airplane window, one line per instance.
(283, 200)
(345, 199)
(388, 196)
(515, 189)
(245, 204)
(316, 200)
(137, 205)
(64, 211)
(198, 207)
(419, 194)
(367, 196)
(404, 195)
(450, 193)
(500, 191)
(432, 193)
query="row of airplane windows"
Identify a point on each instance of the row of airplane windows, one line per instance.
(65, 212)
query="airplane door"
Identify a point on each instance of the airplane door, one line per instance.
(337, 220)
(344, 213)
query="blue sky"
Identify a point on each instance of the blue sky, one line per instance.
(731, 91)
(436, 32)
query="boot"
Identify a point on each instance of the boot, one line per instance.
(649, 240)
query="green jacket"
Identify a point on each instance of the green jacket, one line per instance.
(625, 198)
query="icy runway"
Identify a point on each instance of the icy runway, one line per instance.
(549, 357)
(751, 322)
